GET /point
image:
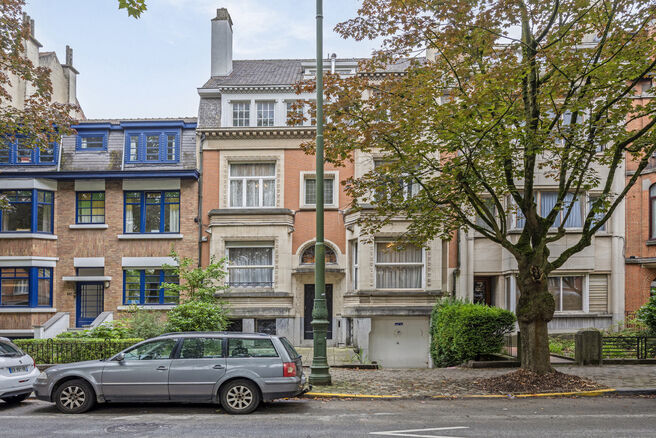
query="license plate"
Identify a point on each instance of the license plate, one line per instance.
(14, 370)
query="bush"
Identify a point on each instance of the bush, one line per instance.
(53, 351)
(144, 323)
(463, 331)
(193, 315)
(647, 315)
(117, 329)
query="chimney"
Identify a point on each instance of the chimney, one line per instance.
(69, 56)
(221, 43)
(71, 76)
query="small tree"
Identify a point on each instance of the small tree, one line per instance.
(199, 309)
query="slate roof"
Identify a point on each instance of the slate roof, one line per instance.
(141, 119)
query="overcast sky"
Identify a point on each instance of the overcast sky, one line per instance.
(151, 67)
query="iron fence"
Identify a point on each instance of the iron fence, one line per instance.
(54, 351)
(510, 345)
(628, 347)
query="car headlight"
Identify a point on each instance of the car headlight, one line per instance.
(42, 376)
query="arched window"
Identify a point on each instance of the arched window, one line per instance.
(652, 212)
(652, 288)
(307, 258)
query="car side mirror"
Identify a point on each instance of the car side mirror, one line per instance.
(120, 357)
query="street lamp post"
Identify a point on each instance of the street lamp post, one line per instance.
(319, 371)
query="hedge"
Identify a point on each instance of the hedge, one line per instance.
(53, 351)
(462, 331)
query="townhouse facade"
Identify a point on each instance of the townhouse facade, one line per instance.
(90, 228)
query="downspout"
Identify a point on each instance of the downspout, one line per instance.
(200, 200)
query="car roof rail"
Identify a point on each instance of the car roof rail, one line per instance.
(214, 333)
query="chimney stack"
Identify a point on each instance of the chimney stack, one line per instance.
(69, 56)
(221, 43)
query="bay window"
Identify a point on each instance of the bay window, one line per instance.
(250, 265)
(252, 184)
(144, 287)
(26, 287)
(399, 268)
(29, 211)
(152, 212)
(353, 256)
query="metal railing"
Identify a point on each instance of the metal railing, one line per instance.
(628, 347)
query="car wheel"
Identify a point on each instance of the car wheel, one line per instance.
(74, 397)
(240, 397)
(15, 399)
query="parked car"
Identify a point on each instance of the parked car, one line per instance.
(238, 370)
(18, 372)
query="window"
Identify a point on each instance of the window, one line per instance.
(144, 286)
(238, 347)
(310, 190)
(90, 208)
(293, 354)
(241, 114)
(154, 350)
(91, 141)
(307, 258)
(353, 249)
(597, 216)
(294, 115)
(567, 292)
(152, 212)
(152, 147)
(250, 266)
(253, 185)
(265, 113)
(267, 326)
(25, 287)
(548, 201)
(652, 212)
(29, 211)
(405, 185)
(489, 204)
(19, 152)
(399, 269)
(201, 348)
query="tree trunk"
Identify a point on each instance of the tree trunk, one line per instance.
(535, 310)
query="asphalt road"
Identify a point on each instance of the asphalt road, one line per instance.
(583, 417)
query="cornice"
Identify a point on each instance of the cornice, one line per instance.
(290, 132)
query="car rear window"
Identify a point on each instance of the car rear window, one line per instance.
(293, 354)
(8, 350)
(239, 347)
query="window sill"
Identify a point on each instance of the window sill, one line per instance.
(147, 307)
(153, 236)
(650, 243)
(77, 151)
(28, 310)
(88, 226)
(28, 236)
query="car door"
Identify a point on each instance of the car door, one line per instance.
(256, 355)
(197, 367)
(143, 375)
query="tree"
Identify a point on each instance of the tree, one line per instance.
(199, 309)
(509, 90)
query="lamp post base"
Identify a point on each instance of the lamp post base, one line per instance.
(320, 375)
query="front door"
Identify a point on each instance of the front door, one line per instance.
(482, 291)
(89, 303)
(309, 304)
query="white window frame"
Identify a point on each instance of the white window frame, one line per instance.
(259, 111)
(250, 244)
(410, 189)
(354, 260)
(247, 120)
(334, 175)
(376, 264)
(583, 202)
(253, 178)
(514, 292)
(289, 111)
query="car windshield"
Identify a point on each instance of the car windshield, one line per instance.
(8, 350)
(293, 354)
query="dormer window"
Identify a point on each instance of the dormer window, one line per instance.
(265, 113)
(241, 114)
(91, 141)
(19, 152)
(152, 146)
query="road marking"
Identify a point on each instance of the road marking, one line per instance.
(410, 434)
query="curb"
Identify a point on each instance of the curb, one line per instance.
(595, 393)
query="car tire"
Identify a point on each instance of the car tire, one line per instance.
(240, 397)
(14, 399)
(74, 397)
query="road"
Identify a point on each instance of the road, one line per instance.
(584, 417)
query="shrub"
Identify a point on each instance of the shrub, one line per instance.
(52, 351)
(647, 315)
(144, 323)
(462, 331)
(117, 329)
(198, 315)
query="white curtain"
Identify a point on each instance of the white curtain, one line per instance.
(396, 275)
(236, 193)
(129, 218)
(574, 220)
(547, 203)
(241, 266)
(174, 218)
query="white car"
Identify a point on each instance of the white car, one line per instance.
(18, 372)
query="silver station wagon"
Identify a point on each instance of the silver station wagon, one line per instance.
(238, 370)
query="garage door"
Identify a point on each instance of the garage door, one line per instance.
(399, 342)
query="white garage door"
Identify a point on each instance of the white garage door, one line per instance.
(399, 342)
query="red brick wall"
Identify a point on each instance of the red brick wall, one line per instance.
(211, 176)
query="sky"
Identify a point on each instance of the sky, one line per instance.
(151, 67)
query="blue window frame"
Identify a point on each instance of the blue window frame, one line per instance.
(26, 287)
(31, 211)
(90, 208)
(144, 287)
(152, 212)
(19, 153)
(152, 146)
(91, 141)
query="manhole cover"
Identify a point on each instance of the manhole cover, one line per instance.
(137, 428)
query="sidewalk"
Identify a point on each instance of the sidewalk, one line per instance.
(463, 381)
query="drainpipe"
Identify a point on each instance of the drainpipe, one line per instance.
(200, 199)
